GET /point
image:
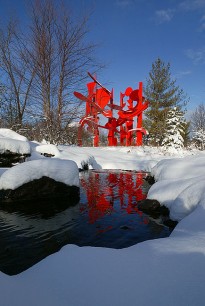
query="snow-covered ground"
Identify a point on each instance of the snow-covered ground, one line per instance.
(167, 271)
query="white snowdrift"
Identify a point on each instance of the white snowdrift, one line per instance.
(11, 134)
(181, 184)
(59, 170)
(187, 167)
(14, 146)
(132, 158)
(47, 149)
(13, 142)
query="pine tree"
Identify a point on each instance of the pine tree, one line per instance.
(163, 94)
(174, 130)
(198, 126)
(186, 133)
(199, 138)
(198, 118)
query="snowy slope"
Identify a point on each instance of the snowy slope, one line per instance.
(160, 272)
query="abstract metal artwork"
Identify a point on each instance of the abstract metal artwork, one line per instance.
(120, 118)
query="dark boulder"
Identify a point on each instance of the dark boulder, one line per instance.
(9, 159)
(170, 223)
(152, 207)
(150, 179)
(47, 154)
(38, 193)
(149, 205)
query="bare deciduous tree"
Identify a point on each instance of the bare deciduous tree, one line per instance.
(44, 65)
(16, 73)
(62, 58)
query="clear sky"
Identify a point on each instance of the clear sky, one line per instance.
(132, 34)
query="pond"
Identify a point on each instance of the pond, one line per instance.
(107, 215)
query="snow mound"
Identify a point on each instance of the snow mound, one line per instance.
(65, 171)
(189, 166)
(48, 149)
(14, 146)
(11, 134)
(81, 155)
(188, 200)
(13, 142)
(181, 196)
(180, 184)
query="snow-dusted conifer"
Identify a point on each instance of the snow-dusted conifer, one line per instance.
(163, 93)
(198, 126)
(199, 137)
(173, 137)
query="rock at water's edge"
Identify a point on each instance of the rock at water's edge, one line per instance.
(43, 188)
(150, 179)
(154, 209)
(149, 206)
(9, 159)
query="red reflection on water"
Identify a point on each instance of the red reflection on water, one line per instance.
(103, 189)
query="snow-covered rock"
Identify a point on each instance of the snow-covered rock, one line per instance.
(14, 148)
(180, 184)
(48, 150)
(11, 134)
(13, 151)
(60, 170)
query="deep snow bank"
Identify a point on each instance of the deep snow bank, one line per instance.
(160, 272)
(180, 184)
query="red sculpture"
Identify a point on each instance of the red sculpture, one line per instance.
(100, 102)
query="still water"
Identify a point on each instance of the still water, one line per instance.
(107, 215)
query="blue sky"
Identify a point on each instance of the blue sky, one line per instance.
(132, 34)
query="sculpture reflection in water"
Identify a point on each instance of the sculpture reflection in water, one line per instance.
(106, 216)
(122, 187)
(109, 204)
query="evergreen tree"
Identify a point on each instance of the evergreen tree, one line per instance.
(199, 138)
(163, 94)
(198, 118)
(198, 126)
(174, 130)
(186, 133)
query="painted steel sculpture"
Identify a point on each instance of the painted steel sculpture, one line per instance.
(99, 101)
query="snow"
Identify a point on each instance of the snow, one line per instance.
(132, 158)
(47, 148)
(13, 142)
(59, 170)
(14, 146)
(180, 184)
(11, 134)
(167, 271)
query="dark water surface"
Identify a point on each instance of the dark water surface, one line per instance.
(106, 216)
